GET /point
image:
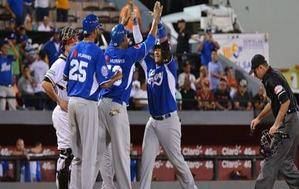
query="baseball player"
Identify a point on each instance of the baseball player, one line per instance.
(113, 101)
(284, 108)
(164, 126)
(87, 74)
(55, 87)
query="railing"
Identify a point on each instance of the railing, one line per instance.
(214, 158)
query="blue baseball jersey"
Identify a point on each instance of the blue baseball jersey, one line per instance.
(86, 70)
(161, 82)
(6, 70)
(124, 60)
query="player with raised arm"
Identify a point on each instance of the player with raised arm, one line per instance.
(164, 126)
(113, 101)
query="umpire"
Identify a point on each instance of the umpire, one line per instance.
(284, 107)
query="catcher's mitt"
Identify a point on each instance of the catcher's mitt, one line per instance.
(270, 143)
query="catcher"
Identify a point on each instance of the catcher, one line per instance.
(284, 133)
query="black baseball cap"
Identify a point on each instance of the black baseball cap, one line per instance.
(257, 60)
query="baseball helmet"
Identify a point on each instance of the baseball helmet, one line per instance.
(90, 23)
(118, 34)
(157, 45)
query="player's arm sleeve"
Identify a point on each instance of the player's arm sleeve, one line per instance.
(55, 73)
(278, 89)
(138, 52)
(102, 71)
(137, 33)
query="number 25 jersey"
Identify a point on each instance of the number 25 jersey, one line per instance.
(86, 70)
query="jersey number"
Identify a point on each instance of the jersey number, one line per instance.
(114, 69)
(78, 70)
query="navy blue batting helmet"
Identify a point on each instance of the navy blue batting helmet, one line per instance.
(90, 23)
(118, 34)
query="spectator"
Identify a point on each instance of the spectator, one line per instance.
(30, 55)
(222, 97)
(187, 76)
(206, 47)
(62, 7)
(140, 98)
(25, 168)
(41, 9)
(52, 47)
(183, 38)
(16, 10)
(260, 99)
(242, 99)
(45, 25)
(178, 97)
(6, 78)
(203, 75)
(11, 26)
(215, 71)
(127, 9)
(231, 80)
(23, 39)
(14, 51)
(28, 24)
(25, 85)
(20, 148)
(28, 8)
(39, 69)
(188, 96)
(205, 97)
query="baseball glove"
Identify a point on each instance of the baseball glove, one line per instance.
(270, 143)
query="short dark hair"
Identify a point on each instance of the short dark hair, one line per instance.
(42, 54)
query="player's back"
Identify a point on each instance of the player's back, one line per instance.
(123, 60)
(161, 81)
(83, 62)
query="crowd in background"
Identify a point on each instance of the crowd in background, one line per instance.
(203, 84)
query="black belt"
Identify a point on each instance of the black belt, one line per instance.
(162, 117)
(292, 110)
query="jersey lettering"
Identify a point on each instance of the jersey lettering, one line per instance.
(155, 78)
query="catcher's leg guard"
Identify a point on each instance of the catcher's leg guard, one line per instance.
(63, 168)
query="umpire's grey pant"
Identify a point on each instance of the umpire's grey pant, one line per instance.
(283, 160)
(115, 118)
(88, 142)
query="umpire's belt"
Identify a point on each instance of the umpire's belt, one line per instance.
(162, 117)
(292, 110)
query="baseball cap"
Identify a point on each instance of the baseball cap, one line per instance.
(12, 21)
(12, 36)
(243, 83)
(56, 31)
(118, 34)
(257, 60)
(3, 41)
(24, 38)
(90, 23)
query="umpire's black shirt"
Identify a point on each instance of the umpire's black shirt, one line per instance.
(278, 90)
